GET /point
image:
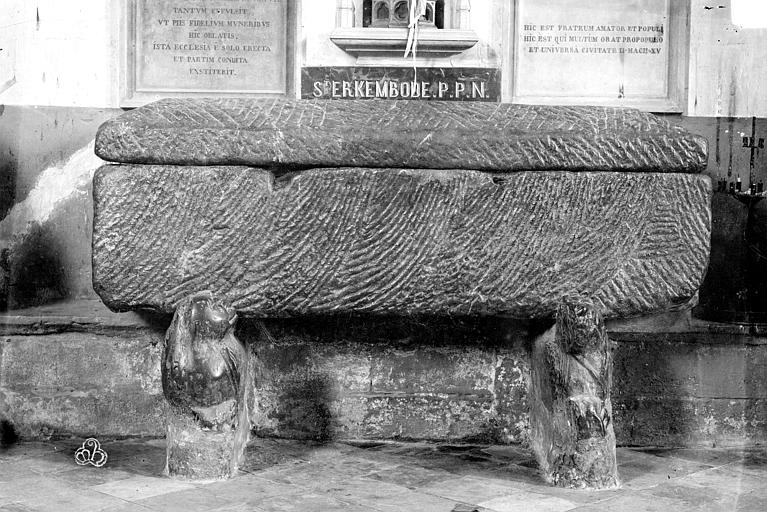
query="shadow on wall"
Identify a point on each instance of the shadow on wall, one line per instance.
(46, 166)
(7, 182)
(649, 401)
(361, 377)
(36, 272)
(45, 239)
(47, 261)
(8, 434)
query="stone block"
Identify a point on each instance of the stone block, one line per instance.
(663, 369)
(81, 383)
(432, 416)
(467, 379)
(412, 134)
(394, 241)
(434, 370)
(679, 420)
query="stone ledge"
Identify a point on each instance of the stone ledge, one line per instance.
(681, 327)
(77, 315)
(91, 315)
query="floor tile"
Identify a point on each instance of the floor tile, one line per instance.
(148, 462)
(415, 501)
(309, 502)
(697, 497)
(189, 500)
(32, 486)
(510, 454)
(140, 487)
(712, 457)
(410, 476)
(315, 474)
(88, 476)
(38, 465)
(382, 477)
(127, 506)
(527, 501)
(730, 478)
(751, 502)
(517, 475)
(469, 489)
(363, 490)
(248, 489)
(17, 507)
(237, 507)
(76, 500)
(636, 502)
(578, 496)
(649, 470)
(754, 462)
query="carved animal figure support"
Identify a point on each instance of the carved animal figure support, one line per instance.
(571, 411)
(206, 374)
(201, 367)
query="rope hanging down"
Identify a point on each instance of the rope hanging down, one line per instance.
(417, 9)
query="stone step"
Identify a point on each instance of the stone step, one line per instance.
(411, 134)
(394, 241)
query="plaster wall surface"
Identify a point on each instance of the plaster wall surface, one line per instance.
(66, 53)
(59, 53)
(728, 69)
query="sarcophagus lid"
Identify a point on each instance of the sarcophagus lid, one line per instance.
(399, 134)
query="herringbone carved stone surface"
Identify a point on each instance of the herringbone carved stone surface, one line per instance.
(394, 241)
(411, 134)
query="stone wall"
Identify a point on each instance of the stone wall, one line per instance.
(77, 368)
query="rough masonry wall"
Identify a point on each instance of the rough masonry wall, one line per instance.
(337, 379)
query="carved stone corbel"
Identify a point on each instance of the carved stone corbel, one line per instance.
(571, 412)
(207, 376)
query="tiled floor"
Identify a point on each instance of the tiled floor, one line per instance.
(289, 476)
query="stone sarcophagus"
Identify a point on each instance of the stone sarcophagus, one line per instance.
(273, 208)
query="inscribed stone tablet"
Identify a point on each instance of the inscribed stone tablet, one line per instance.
(595, 49)
(198, 46)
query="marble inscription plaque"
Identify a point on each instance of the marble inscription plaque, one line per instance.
(445, 84)
(596, 49)
(203, 46)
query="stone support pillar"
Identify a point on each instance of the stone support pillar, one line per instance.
(207, 376)
(570, 409)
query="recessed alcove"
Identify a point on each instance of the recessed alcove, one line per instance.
(379, 28)
(390, 42)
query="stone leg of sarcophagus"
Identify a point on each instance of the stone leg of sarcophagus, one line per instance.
(571, 413)
(207, 375)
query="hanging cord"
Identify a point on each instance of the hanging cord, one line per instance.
(417, 9)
